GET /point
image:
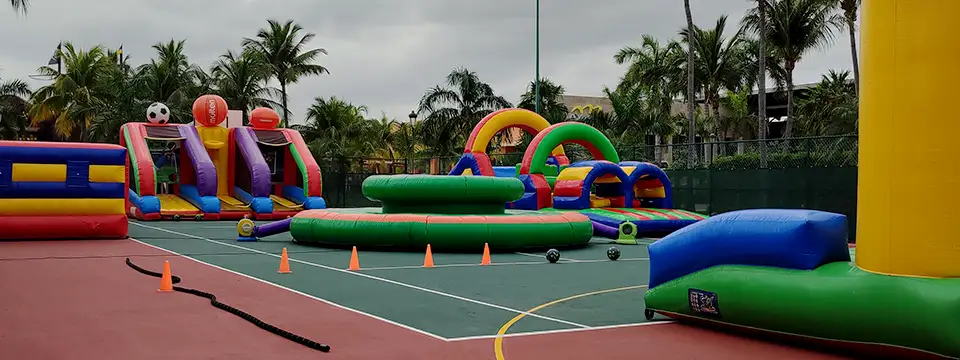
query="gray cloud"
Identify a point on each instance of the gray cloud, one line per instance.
(384, 53)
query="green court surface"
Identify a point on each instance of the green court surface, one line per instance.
(457, 299)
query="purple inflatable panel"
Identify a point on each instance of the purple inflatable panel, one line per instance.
(259, 171)
(606, 231)
(202, 165)
(273, 228)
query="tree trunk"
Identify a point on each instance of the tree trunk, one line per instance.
(84, 125)
(283, 92)
(691, 97)
(762, 85)
(788, 132)
(718, 130)
(853, 54)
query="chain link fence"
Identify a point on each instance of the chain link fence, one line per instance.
(809, 173)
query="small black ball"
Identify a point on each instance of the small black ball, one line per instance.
(613, 253)
(553, 255)
(176, 217)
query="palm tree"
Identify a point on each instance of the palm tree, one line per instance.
(720, 65)
(77, 96)
(122, 102)
(453, 111)
(13, 106)
(337, 130)
(762, 80)
(850, 16)
(551, 100)
(691, 96)
(762, 76)
(654, 66)
(20, 5)
(796, 27)
(283, 48)
(169, 78)
(830, 108)
(240, 80)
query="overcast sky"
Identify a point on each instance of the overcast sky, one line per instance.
(384, 53)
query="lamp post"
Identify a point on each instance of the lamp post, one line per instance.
(537, 80)
(412, 117)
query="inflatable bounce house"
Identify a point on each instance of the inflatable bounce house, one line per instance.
(272, 169)
(80, 187)
(609, 191)
(789, 273)
(211, 172)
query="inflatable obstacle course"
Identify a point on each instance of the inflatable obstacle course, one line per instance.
(79, 188)
(449, 213)
(609, 191)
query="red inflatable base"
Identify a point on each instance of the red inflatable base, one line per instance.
(233, 215)
(63, 227)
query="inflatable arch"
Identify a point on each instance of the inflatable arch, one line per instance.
(574, 184)
(537, 193)
(602, 183)
(475, 160)
(650, 185)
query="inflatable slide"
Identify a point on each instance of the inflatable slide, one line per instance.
(271, 169)
(171, 174)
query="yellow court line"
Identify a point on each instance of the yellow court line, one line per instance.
(498, 342)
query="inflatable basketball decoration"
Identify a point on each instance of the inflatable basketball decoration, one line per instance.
(209, 110)
(264, 118)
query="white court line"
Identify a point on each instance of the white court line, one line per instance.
(414, 287)
(328, 302)
(560, 331)
(491, 264)
(542, 256)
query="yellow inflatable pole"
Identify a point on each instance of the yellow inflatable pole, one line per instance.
(908, 206)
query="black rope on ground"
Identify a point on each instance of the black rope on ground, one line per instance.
(213, 301)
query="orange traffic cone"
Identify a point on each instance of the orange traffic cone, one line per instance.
(284, 263)
(428, 258)
(166, 280)
(354, 261)
(485, 260)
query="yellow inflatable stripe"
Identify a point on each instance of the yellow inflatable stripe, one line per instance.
(607, 179)
(578, 173)
(58, 173)
(13, 207)
(650, 193)
(107, 173)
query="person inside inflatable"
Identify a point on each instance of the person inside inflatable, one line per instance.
(165, 163)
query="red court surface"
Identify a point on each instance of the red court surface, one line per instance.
(79, 300)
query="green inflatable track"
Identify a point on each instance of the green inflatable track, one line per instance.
(512, 231)
(450, 213)
(442, 194)
(836, 301)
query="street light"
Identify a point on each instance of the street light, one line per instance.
(412, 117)
(537, 80)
